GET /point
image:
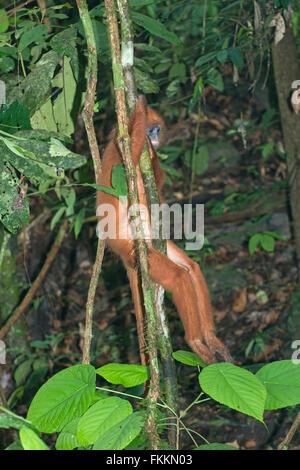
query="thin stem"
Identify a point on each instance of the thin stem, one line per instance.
(88, 112)
(90, 302)
(125, 150)
(290, 433)
(164, 343)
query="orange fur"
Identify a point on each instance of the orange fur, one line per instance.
(176, 272)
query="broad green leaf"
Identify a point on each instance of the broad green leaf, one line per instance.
(267, 242)
(36, 86)
(43, 118)
(118, 180)
(7, 421)
(16, 445)
(222, 56)
(235, 387)
(178, 70)
(215, 446)
(121, 434)
(205, 58)
(35, 34)
(30, 440)
(4, 23)
(100, 417)
(119, 183)
(282, 381)
(64, 42)
(214, 78)
(67, 439)
(155, 27)
(14, 118)
(64, 397)
(236, 57)
(188, 358)
(254, 242)
(128, 375)
(201, 159)
(64, 103)
(36, 158)
(22, 371)
(144, 82)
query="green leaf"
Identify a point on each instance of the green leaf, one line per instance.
(35, 34)
(188, 358)
(155, 27)
(37, 84)
(236, 57)
(43, 118)
(205, 58)
(222, 56)
(79, 221)
(30, 440)
(22, 371)
(254, 242)
(100, 417)
(118, 180)
(121, 434)
(128, 375)
(178, 70)
(201, 159)
(282, 381)
(14, 209)
(235, 387)
(57, 217)
(64, 103)
(215, 446)
(215, 79)
(267, 150)
(14, 117)
(4, 23)
(267, 242)
(67, 439)
(198, 88)
(69, 196)
(65, 396)
(64, 42)
(8, 419)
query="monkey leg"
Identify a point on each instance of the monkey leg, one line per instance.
(177, 280)
(126, 250)
(182, 277)
(203, 300)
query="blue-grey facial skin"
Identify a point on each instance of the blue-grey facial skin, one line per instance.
(154, 134)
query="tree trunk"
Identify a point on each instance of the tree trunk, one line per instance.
(287, 71)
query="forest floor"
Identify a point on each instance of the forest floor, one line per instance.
(250, 294)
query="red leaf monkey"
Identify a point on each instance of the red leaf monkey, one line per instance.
(176, 272)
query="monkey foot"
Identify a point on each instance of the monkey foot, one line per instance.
(215, 351)
(217, 348)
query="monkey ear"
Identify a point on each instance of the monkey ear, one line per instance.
(138, 128)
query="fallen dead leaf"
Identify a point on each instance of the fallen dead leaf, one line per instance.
(219, 315)
(234, 444)
(240, 302)
(250, 444)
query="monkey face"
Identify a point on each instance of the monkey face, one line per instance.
(153, 133)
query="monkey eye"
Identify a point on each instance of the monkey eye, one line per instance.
(153, 133)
